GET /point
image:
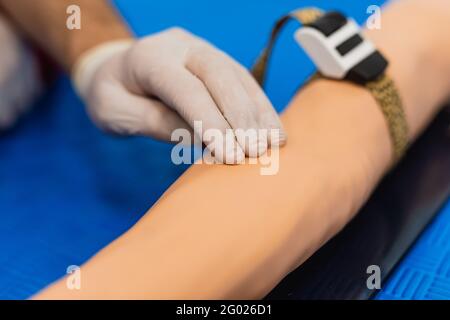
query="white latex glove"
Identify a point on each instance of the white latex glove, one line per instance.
(169, 80)
(20, 82)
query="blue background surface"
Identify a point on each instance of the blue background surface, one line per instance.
(67, 190)
(424, 273)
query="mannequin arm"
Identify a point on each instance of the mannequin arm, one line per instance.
(228, 232)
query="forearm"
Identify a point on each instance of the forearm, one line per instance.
(45, 22)
(227, 232)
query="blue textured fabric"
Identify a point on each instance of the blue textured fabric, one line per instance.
(67, 190)
(424, 273)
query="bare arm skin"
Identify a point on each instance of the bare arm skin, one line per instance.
(45, 22)
(196, 243)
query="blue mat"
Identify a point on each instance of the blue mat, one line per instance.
(424, 273)
(67, 190)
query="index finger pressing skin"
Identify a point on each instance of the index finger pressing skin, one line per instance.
(268, 117)
(222, 81)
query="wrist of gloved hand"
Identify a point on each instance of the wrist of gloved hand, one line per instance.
(90, 61)
(170, 80)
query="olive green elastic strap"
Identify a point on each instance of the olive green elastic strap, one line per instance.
(304, 16)
(386, 94)
(383, 89)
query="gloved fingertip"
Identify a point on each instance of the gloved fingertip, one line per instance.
(278, 138)
(259, 148)
(232, 156)
(262, 147)
(256, 147)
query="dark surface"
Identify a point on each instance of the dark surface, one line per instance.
(424, 272)
(384, 230)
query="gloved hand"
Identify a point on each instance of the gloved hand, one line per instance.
(20, 82)
(169, 80)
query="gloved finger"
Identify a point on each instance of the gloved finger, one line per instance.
(268, 117)
(188, 96)
(125, 113)
(222, 81)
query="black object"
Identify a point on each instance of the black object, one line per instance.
(349, 44)
(384, 230)
(329, 23)
(369, 69)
